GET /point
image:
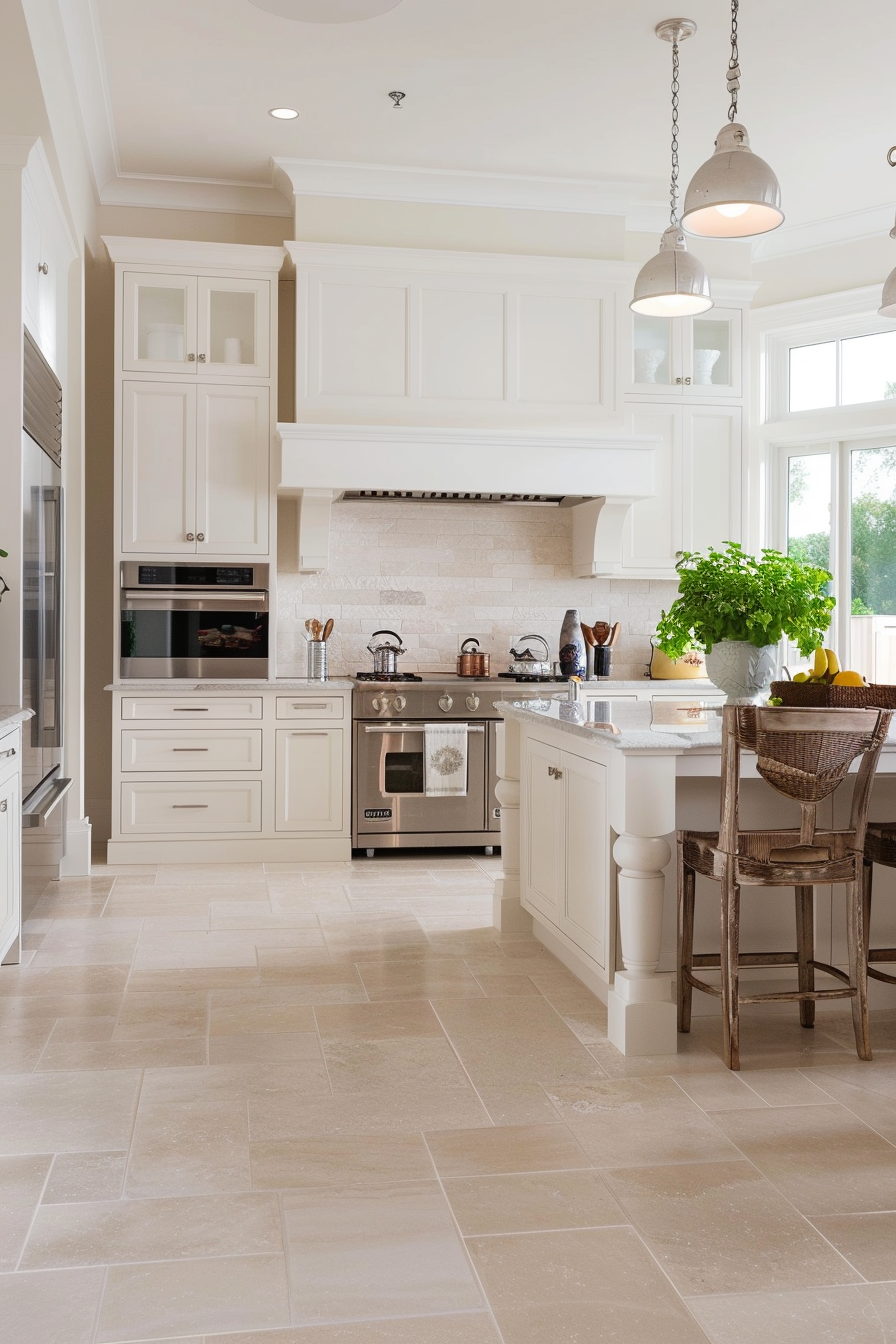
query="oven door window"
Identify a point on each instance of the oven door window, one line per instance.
(403, 772)
(194, 634)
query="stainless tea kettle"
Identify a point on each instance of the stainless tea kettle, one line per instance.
(385, 656)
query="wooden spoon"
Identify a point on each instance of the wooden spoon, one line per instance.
(601, 630)
(316, 629)
(614, 635)
(309, 626)
(589, 636)
(328, 628)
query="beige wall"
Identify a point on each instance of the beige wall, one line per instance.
(824, 271)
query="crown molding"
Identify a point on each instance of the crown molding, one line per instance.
(793, 239)
(427, 261)
(189, 193)
(15, 149)
(451, 186)
(169, 252)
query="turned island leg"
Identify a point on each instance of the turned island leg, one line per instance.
(508, 916)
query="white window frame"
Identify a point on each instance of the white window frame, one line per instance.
(841, 328)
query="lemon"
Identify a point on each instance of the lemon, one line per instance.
(849, 679)
(801, 676)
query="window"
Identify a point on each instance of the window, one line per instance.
(847, 372)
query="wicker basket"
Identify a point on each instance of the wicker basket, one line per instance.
(819, 696)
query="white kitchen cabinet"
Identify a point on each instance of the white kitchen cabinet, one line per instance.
(309, 783)
(191, 807)
(690, 357)
(196, 325)
(697, 466)
(182, 749)
(565, 853)
(47, 252)
(10, 840)
(195, 469)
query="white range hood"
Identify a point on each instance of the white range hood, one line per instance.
(598, 477)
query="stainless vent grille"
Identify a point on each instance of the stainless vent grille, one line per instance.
(42, 401)
(450, 497)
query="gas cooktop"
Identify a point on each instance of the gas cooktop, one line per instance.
(387, 676)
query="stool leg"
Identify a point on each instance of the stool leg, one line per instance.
(686, 884)
(867, 876)
(729, 964)
(858, 968)
(805, 950)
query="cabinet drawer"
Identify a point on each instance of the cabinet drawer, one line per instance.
(187, 749)
(171, 807)
(311, 707)
(194, 709)
(9, 749)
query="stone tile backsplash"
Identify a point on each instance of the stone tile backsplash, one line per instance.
(436, 573)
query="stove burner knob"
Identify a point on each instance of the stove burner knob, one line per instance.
(380, 704)
(445, 703)
(472, 702)
(399, 702)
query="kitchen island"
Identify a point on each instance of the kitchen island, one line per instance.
(591, 795)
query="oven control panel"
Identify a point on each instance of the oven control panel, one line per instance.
(436, 700)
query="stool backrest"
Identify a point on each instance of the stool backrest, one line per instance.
(803, 754)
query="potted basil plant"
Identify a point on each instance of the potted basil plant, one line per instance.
(737, 607)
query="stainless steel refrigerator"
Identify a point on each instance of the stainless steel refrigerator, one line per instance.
(43, 785)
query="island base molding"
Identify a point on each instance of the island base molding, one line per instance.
(642, 1017)
(563, 951)
(229, 851)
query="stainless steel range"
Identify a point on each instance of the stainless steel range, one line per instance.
(390, 805)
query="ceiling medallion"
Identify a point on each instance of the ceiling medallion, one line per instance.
(326, 11)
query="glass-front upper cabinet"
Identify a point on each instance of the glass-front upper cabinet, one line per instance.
(688, 356)
(196, 325)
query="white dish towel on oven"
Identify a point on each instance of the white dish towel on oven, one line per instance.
(445, 748)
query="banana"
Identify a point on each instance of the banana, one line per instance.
(821, 663)
(833, 662)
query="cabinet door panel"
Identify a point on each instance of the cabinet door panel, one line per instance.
(309, 780)
(712, 435)
(183, 751)
(158, 331)
(175, 807)
(713, 354)
(543, 845)
(361, 340)
(654, 531)
(586, 861)
(232, 469)
(560, 349)
(10, 860)
(158, 472)
(234, 327)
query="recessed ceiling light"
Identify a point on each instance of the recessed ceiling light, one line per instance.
(327, 11)
(283, 113)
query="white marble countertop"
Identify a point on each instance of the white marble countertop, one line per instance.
(627, 725)
(10, 715)
(175, 687)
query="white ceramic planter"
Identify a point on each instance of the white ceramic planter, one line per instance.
(741, 670)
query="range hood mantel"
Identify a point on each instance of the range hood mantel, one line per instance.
(606, 473)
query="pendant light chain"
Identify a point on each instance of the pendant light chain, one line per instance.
(733, 63)
(673, 183)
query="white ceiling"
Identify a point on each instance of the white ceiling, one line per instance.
(546, 88)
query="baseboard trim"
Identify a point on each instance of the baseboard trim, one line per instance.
(228, 851)
(76, 858)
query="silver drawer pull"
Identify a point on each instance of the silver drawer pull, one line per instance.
(189, 748)
(313, 705)
(411, 728)
(189, 709)
(304, 734)
(10, 752)
(186, 806)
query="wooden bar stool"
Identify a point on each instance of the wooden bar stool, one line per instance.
(804, 754)
(880, 847)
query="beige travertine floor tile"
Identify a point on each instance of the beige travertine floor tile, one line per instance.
(172, 950)
(55, 1307)
(191, 1135)
(232, 915)
(76, 1177)
(377, 1021)
(57, 981)
(319, 982)
(209, 874)
(248, 1048)
(251, 1011)
(506, 986)
(437, 977)
(339, 1160)
(463, 1328)
(772, 1042)
(691, 1058)
(532, 1202)
(173, 905)
(142, 1054)
(639, 1122)
(67, 1112)
(53, 1006)
(82, 1029)
(867, 1240)
(406, 1064)
(527, 1104)
(128, 1230)
(823, 1158)
(178, 1297)
(153, 1015)
(719, 1091)
(588, 1027)
(480, 1152)
(288, 1114)
(373, 1251)
(21, 1185)
(555, 1287)
(196, 977)
(720, 1227)
(511, 1041)
(860, 1315)
(786, 1087)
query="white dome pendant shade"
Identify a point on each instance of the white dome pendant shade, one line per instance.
(735, 194)
(673, 283)
(888, 298)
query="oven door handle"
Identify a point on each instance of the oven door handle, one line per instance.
(412, 727)
(162, 600)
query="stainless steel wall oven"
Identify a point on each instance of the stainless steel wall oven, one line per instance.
(185, 620)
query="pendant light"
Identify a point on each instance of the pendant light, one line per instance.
(673, 283)
(735, 194)
(888, 298)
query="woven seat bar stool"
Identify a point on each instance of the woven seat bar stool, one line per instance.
(880, 847)
(804, 754)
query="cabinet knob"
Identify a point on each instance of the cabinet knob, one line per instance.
(43, 268)
(200, 536)
(189, 537)
(191, 359)
(554, 773)
(201, 359)
(3, 805)
(687, 382)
